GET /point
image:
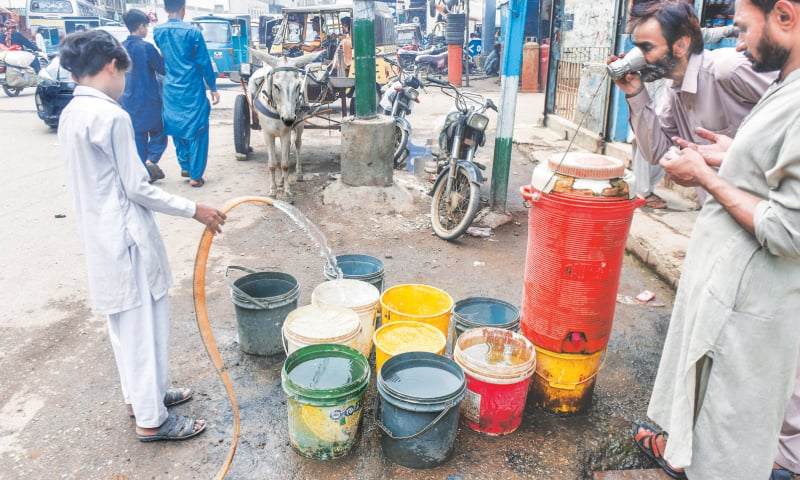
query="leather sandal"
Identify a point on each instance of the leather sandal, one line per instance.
(174, 397)
(647, 441)
(655, 202)
(175, 427)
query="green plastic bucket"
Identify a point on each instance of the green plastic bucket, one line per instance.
(358, 267)
(325, 385)
(262, 300)
(420, 396)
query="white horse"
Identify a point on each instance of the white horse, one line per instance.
(278, 92)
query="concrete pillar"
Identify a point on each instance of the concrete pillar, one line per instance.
(367, 148)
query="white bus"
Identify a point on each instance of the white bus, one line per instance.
(58, 18)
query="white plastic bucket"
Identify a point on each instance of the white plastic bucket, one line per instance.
(320, 324)
(360, 297)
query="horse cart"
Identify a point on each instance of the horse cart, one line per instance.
(324, 30)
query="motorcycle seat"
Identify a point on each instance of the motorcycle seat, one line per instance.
(432, 58)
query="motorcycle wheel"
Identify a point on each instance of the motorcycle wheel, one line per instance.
(241, 126)
(400, 144)
(11, 92)
(452, 214)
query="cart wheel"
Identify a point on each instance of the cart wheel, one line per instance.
(241, 127)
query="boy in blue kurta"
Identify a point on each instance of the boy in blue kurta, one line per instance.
(186, 108)
(142, 95)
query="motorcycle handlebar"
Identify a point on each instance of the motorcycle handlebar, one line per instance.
(437, 81)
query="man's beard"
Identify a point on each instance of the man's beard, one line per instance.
(658, 70)
(772, 56)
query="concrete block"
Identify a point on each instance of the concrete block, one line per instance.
(367, 147)
(585, 139)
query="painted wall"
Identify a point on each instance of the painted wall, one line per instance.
(588, 23)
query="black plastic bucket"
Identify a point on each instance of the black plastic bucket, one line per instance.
(420, 396)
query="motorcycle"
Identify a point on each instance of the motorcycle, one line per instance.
(397, 100)
(14, 77)
(432, 63)
(456, 190)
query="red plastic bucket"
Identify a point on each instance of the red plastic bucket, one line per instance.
(498, 365)
(575, 251)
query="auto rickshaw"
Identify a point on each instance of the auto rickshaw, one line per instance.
(227, 38)
(296, 30)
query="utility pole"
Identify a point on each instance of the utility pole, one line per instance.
(364, 58)
(512, 63)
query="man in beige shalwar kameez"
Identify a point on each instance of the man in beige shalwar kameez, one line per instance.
(730, 358)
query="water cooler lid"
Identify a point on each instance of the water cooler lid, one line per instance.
(586, 165)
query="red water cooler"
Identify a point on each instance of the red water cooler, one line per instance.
(581, 207)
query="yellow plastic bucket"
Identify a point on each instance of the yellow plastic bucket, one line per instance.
(564, 382)
(406, 336)
(417, 303)
(320, 324)
(360, 297)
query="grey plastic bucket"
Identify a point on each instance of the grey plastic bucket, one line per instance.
(358, 267)
(420, 396)
(262, 301)
(479, 312)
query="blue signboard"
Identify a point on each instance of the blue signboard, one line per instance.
(474, 47)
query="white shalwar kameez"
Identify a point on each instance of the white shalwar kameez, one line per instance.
(129, 273)
(738, 304)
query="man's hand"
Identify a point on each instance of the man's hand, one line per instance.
(212, 218)
(631, 83)
(713, 153)
(214, 98)
(687, 167)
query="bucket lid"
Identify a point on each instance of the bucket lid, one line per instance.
(486, 312)
(324, 371)
(405, 336)
(345, 293)
(586, 165)
(497, 354)
(422, 377)
(322, 322)
(605, 178)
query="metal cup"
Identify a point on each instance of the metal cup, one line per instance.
(633, 61)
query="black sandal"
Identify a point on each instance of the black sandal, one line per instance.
(175, 427)
(174, 397)
(646, 441)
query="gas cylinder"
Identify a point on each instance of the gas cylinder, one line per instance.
(530, 67)
(544, 60)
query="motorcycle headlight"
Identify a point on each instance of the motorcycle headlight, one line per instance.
(244, 69)
(412, 94)
(478, 122)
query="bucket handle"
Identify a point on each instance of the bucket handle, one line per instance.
(383, 427)
(241, 292)
(573, 386)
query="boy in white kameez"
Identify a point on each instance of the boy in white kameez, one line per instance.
(129, 274)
